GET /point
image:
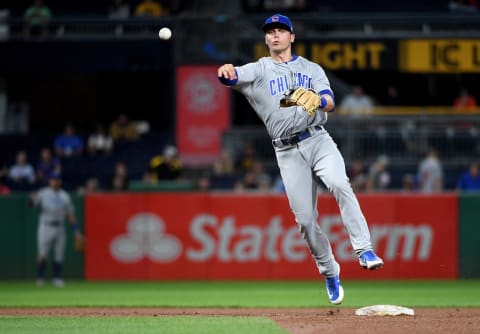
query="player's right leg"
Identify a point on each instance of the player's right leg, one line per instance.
(301, 190)
(44, 238)
(59, 255)
(334, 288)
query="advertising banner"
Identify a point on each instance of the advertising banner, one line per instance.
(433, 55)
(228, 236)
(440, 55)
(203, 113)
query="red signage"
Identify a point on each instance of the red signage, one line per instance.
(227, 236)
(203, 113)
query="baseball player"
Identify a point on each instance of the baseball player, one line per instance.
(55, 205)
(292, 96)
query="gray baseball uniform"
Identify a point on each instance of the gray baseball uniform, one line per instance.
(55, 205)
(304, 150)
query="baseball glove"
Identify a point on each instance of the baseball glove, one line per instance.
(308, 99)
(79, 242)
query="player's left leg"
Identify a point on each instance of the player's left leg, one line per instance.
(331, 169)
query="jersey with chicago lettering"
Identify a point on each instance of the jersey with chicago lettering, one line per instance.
(265, 82)
(54, 205)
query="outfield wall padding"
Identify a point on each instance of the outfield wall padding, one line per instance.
(469, 245)
(18, 224)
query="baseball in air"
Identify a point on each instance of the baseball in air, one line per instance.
(165, 33)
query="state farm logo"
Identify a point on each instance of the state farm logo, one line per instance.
(211, 237)
(224, 240)
(145, 237)
(203, 136)
(201, 93)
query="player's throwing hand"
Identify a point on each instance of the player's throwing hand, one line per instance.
(227, 71)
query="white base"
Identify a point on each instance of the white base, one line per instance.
(384, 310)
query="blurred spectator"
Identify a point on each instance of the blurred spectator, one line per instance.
(255, 179)
(4, 189)
(99, 142)
(249, 181)
(149, 8)
(284, 5)
(118, 10)
(47, 165)
(21, 175)
(91, 185)
(123, 129)
(120, 177)
(430, 173)
(36, 18)
(264, 183)
(408, 182)
(470, 6)
(357, 102)
(17, 117)
(239, 187)
(68, 144)
(358, 178)
(224, 164)
(203, 183)
(4, 27)
(465, 101)
(252, 6)
(392, 98)
(470, 179)
(245, 159)
(166, 166)
(177, 6)
(258, 170)
(378, 175)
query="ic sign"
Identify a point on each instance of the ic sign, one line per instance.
(440, 56)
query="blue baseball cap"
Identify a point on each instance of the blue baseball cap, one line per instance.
(54, 176)
(278, 20)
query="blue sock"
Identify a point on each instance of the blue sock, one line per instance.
(57, 269)
(41, 267)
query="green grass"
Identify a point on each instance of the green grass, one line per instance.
(144, 325)
(461, 293)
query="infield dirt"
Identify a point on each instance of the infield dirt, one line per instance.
(298, 320)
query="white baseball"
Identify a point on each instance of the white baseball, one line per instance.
(165, 33)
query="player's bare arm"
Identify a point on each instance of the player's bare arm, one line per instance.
(329, 103)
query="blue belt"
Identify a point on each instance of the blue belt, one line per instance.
(296, 138)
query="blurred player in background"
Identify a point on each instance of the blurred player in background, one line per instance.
(55, 207)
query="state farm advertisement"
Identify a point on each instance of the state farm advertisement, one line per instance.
(139, 236)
